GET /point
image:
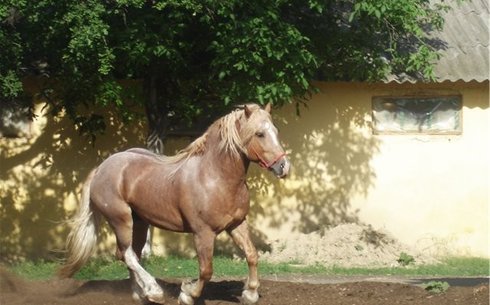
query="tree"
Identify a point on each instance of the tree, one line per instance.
(196, 58)
(187, 60)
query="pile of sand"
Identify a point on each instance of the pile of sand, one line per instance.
(346, 245)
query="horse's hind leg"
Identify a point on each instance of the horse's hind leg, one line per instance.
(144, 285)
(140, 232)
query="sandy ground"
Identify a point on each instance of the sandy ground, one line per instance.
(345, 245)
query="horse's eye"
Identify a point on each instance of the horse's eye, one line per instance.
(259, 134)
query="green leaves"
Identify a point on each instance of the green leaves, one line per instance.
(87, 47)
(260, 57)
(202, 56)
(373, 38)
(10, 85)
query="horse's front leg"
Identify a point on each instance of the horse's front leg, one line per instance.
(241, 237)
(190, 291)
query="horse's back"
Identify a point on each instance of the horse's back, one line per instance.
(133, 162)
(144, 152)
(117, 173)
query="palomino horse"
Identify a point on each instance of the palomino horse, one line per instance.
(202, 190)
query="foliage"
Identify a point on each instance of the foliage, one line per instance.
(405, 259)
(193, 58)
(436, 286)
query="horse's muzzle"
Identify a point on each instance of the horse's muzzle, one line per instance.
(280, 168)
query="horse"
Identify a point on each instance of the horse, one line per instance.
(201, 190)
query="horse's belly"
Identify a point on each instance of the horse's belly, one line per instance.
(161, 214)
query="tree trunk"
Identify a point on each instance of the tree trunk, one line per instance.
(156, 113)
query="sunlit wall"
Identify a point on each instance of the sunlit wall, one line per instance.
(427, 190)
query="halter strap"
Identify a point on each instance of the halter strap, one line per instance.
(264, 163)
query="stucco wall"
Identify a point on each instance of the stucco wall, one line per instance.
(41, 174)
(427, 190)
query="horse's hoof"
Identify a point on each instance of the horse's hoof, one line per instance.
(147, 300)
(153, 298)
(185, 299)
(250, 297)
(158, 299)
(137, 298)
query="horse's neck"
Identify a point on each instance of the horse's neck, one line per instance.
(229, 166)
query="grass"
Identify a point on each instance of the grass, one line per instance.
(38, 270)
(175, 267)
(436, 286)
(452, 266)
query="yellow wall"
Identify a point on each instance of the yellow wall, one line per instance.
(40, 178)
(427, 190)
(430, 191)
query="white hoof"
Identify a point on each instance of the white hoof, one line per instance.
(185, 299)
(250, 297)
(153, 296)
(137, 298)
(159, 298)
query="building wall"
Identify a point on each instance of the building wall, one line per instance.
(41, 174)
(427, 190)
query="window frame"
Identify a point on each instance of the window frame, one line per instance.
(377, 98)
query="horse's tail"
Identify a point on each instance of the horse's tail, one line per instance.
(82, 238)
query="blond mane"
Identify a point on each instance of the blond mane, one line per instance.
(230, 139)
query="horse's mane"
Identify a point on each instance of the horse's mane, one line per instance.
(230, 140)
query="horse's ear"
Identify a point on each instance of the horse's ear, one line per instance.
(247, 110)
(268, 107)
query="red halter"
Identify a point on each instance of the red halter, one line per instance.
(264, 163)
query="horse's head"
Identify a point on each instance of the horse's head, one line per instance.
(261, 142)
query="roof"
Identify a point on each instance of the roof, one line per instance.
(463, 44)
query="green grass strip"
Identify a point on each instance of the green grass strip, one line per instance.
(176, 267)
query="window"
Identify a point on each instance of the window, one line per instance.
(419, 115)
(15, 119)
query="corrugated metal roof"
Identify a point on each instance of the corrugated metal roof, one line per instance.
(463, 44)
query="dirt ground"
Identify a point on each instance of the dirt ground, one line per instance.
(15, 291)
(346, 245)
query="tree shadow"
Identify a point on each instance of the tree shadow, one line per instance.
(39, 174)
(330, 148)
